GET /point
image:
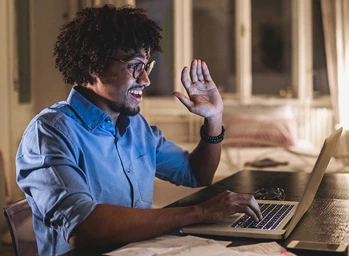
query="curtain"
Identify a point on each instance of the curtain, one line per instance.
(335, 15)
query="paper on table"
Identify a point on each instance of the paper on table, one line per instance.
(261, 249)
(174, 245)
(191, 245)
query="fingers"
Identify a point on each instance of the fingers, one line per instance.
(228, 203)
(206, 72)
(247, 210)
(185, 78)
(249, 206)
(182, 98)
(193, 71)
(199, 71)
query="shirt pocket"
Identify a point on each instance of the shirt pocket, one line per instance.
(144, 169)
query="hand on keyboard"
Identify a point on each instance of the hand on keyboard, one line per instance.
(228, 203)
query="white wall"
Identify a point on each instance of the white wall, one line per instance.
(47, 86)
(4, 130)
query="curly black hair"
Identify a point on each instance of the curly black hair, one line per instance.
(86, 43)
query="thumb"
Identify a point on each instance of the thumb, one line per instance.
(182, 98)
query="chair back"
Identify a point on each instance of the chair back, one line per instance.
(19, 220)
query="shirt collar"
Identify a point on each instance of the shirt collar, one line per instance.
(122, 123)
(91, 115)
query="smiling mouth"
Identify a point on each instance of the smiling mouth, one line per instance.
(136, 93)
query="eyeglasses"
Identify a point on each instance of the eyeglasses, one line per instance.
(270, 194)
(138, 68)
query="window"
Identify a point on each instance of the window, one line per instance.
(271, 46)
(254, 48)
(213, 40)
(320, 79)
(162, 76)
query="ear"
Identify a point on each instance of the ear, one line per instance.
(94, 75)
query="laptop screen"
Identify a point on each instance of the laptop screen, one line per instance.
(316, 176)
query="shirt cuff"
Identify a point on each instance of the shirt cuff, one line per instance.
(71, 212)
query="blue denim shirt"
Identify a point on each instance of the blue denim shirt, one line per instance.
(72, 158)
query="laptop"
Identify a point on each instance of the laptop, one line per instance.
(284, 215)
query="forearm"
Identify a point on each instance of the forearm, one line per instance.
(112, 226)
(205, 158)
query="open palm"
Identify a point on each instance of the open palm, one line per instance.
(203, 96)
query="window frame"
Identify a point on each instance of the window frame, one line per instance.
(302, 52)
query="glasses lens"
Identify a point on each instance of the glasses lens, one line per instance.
(138, 70)
(149, 67)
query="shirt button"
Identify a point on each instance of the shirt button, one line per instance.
(108, 120)
(135, 204)
(128, 170)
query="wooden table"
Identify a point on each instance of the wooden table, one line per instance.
(327, 219)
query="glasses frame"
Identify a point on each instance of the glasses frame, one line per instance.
(145, 67)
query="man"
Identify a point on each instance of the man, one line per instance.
(87, 165)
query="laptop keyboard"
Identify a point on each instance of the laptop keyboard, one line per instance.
(272, 214)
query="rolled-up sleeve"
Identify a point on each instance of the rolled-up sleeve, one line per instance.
(47, 171)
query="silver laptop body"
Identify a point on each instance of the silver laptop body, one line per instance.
(225, 227)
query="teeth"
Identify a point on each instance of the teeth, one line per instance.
(136, 92)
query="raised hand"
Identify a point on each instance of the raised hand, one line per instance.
(203, 96)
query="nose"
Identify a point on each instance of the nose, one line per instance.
(144, 79)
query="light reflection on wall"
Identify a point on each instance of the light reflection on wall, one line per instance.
(343, 92)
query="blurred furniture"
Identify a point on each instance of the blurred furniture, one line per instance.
(19, 220)
(275, 137)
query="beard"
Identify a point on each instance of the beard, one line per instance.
(131, 111)
(126, 110)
